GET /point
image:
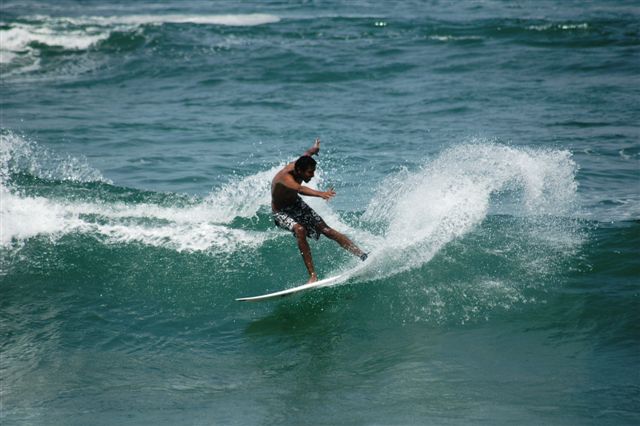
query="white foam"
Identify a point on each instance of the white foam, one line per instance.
(17, 43)
(420, 212)
(20, 36)
(6, 56)
(198, 236)
(199, 225)
(243, 20)
(454, 38)
(26, 217)
(81, 33)
(563, 27)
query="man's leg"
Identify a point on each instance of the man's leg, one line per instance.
(342, 239)
(303, 245)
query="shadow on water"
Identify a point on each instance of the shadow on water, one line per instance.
(315, 312)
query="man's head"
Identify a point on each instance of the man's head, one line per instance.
(305, 167)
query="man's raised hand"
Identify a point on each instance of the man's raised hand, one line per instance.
(315, 149)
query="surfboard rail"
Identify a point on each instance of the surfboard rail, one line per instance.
(289, 291)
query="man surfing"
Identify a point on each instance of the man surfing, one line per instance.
(293, 214)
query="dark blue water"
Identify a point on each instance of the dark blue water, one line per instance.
(486, 154)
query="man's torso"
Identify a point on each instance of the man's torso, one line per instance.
(282, 196)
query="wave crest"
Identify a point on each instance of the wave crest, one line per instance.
(19, 154)
(418, 213)
(189, 225)
(21, 41)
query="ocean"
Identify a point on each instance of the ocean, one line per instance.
(486, 153)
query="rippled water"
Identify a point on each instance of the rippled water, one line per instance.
(486, 154)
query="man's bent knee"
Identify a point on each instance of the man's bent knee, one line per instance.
(299, 231)
(329, 232)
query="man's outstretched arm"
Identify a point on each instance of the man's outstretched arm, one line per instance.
(325, 195)
(314, 150)
(289, 182)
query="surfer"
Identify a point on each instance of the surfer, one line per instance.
(293, 214)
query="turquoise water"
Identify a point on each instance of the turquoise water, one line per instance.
(486, 153)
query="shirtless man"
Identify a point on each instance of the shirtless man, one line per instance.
(293, 214)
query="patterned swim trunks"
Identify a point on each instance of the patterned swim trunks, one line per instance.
(300, 213)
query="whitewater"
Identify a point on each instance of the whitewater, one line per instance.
(410, 218)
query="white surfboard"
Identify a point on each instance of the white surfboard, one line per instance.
(311, 286)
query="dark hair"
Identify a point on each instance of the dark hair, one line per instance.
(304, 163)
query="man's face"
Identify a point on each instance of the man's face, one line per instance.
(308, 173)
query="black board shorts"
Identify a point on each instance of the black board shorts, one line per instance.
(299, 213)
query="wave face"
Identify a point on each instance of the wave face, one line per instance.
(521, 199)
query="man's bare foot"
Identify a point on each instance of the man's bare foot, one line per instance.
(313, 278)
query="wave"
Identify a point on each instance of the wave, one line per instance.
(412, 216)
(610, 29)
(189, 225)
(19, 37)
(23, 41)
(30, 41)
(470, 231)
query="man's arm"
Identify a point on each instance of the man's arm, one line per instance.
(291, 183)
(325, 195)
(314, 150)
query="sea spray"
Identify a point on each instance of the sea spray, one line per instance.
(479, 229)
(19, 154)
(26, 216)
(419, 212)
